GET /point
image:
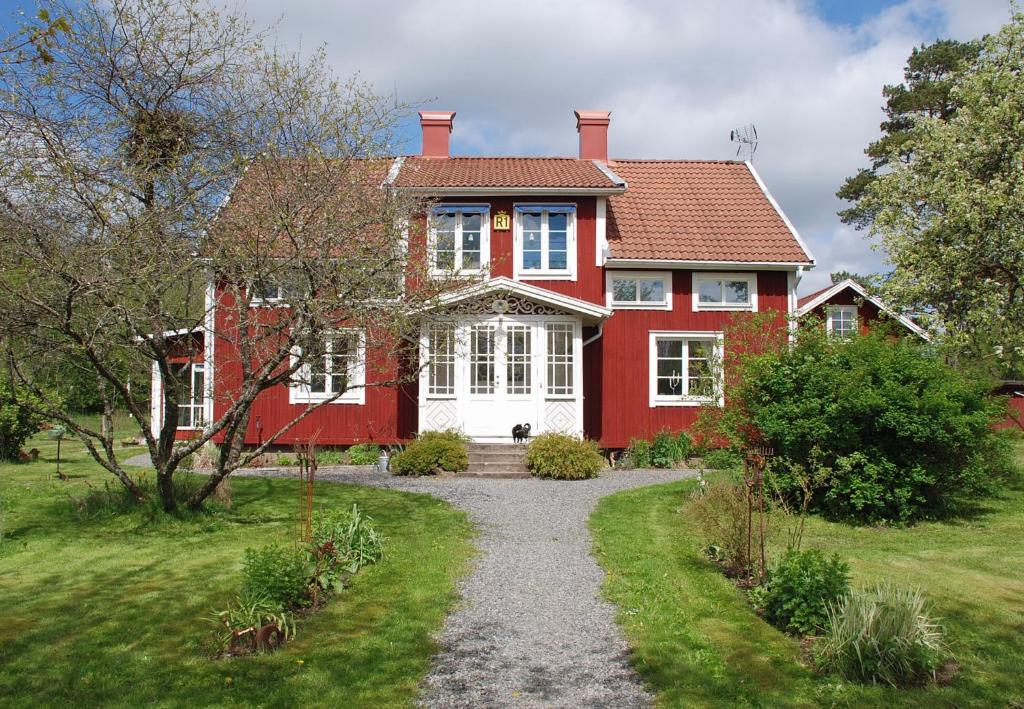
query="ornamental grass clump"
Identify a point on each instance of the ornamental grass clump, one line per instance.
(882, 635)
(563, 457)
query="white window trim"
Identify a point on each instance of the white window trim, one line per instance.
(298, 393)
(484, 210)
(700, 276)
(571, 238)
(832, 309)
(192, 403)
(664, 276)
(654, 399)
(428, 356)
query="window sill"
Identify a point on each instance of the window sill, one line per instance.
(657, 403)
(546, 276)
(641, 306)
(307, 399)
(725, 308)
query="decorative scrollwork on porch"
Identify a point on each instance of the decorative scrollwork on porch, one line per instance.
(506, 304)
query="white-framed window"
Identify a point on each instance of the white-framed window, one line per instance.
(545, 242)
(724, 291)
(685, 368)
(191, 402)
(638, 290)
(441, 360)
(841, 320)
(482, 359)
(337, 366)
(459, 239)
(560, 358)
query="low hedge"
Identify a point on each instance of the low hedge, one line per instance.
(556, 455)
(432, 452)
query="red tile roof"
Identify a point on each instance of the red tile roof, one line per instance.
(805, 299)
(454, 173)
(696, 211)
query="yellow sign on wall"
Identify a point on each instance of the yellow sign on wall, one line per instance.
(502, 221)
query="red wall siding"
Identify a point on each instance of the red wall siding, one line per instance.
(625, 409)
(867, 312)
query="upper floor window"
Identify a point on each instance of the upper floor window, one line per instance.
(459, 239)
(191, 404)
(545, 241)
(336, 369)
(639, 290)
(724, 291)
(841, 320)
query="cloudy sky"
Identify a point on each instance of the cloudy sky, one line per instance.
(676, 74)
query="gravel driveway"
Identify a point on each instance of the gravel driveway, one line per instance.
(532, 630)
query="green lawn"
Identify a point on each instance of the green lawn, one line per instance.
(113, 611)
(698, 643)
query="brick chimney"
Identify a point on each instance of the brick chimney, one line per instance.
(437, 126)
(593, 129)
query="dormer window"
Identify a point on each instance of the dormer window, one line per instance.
(545, 243)
(459, 239)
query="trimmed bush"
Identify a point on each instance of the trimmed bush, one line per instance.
(277, 573)
(432, 452)
(363, 454)
(563, 457)
(882, 635)
(801, 587)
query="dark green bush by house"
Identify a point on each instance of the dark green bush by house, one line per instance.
(722, 459)
(638, 455)
(801, 587)
(432, 452)
(557, 455)
(904, 435)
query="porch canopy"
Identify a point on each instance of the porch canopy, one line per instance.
(502, 295)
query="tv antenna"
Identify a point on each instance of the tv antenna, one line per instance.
(746, 137)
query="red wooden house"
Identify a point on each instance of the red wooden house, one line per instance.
(847, 308)
(605, 286)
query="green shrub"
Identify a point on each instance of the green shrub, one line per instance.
(350, 537)
(720, 511)
(280, 574)
(801, 587)
(285, 461)
(907, 436)
(639, 453)
(363, 453)
(722, 459)
(684, 445)
(665, 450)
(330, 457)
(882, 635)
(433, 451)
(18, 422)
(557, 455)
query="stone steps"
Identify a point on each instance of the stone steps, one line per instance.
(496, 460)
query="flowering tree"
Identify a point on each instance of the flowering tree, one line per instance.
(165, 164)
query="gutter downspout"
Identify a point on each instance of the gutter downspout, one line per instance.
(595, 338)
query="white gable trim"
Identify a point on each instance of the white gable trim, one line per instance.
(857, 288)
(503, 285)
(778, 210)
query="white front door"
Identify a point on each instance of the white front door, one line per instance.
(488, 375)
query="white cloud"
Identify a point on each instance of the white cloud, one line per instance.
(676, 75)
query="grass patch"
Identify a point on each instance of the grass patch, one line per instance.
(113, 609)
(697, 642)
